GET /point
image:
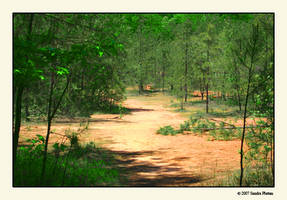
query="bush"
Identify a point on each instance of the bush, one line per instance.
(167, 130)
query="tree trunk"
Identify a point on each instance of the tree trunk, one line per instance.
(18, 106)
(244, 128)
(50, 116)
(206, 97)
(17, 123)
(141, 87)
(201, 87)
(181, 96)
(186, 64)
(238, 99)
(250, 72)
(27, 114)
(163, 71)
(49, 119)
(207, 79)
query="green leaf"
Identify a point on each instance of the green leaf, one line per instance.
(17, 71)
(40, 137)
(101, 53)
(62, 70)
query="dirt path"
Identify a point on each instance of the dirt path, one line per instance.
(156, 160)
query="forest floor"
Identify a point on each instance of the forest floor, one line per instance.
(148, 158)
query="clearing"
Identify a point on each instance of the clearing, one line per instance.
(147, 158)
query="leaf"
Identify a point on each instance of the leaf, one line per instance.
(101, 53)
(17, 71)
(40, 137)
(62, 70)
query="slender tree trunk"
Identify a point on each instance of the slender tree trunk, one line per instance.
(27, 114)
(18, 106)
(244, 128)
(206, 98)
(250, 72)
(238, 98)
(201, 88)
(181, 95)
(207, 79)
(51, 114)
(141, 87)
(163, 70)
(185, 71)
(17, 123)
(49, 119)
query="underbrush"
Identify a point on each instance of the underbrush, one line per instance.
(73, 165)
(115, 109)
(260, 175)
(200, 126)
(167, 130)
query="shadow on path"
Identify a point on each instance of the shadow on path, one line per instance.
(139, 109)
(146, 174)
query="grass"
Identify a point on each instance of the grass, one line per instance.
(66, 166)
(255, 176)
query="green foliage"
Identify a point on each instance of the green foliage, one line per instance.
(73, 169)
(184, 127)
(167, 130)
(260, 144)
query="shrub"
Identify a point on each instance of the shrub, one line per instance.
(184, 127)
(167, 130)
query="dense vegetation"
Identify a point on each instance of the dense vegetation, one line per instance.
(73, 65)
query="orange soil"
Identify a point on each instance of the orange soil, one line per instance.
(151, 159)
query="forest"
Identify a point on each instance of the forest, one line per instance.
(143, 99)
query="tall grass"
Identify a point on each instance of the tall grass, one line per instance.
(72, 166)
(260, 175)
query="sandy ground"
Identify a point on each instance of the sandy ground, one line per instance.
(157, 160)
(150, 159)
